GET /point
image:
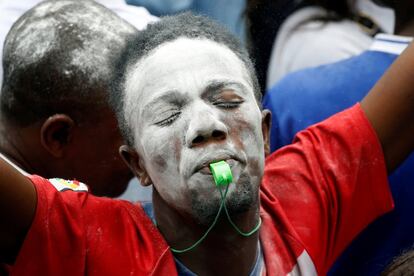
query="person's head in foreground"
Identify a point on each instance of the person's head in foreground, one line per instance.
(189, 98)
(55, 119)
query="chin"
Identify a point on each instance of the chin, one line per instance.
(241, 200)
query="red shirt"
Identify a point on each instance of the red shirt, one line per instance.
(320, 192)
(316, 195)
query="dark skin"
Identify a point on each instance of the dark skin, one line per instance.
(392, 141)
(61, 146)
(389, 107)
(20, 196)
(58, 146)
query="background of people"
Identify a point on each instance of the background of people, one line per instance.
(227, 12)
(285, 35)
(306, 97)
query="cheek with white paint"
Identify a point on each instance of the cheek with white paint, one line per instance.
(246, 134)
(161, 150)
(160, 147)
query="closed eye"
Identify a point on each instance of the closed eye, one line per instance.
(228, 104)
(169, 120)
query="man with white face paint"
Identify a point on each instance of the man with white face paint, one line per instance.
(175, 122)
(189, 98)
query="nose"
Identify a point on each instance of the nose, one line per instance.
(205, 127)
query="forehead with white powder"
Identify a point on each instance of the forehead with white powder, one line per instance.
(168, 29)
(154, 74)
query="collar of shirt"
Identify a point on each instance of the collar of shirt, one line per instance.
(184, 271)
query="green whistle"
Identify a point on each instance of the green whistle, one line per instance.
(221, 173)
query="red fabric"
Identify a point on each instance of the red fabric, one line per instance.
(4, 269)
(320, 192)
(316, 195)
(75, 233)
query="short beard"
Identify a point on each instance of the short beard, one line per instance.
(242, 200)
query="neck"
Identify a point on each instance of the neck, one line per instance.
(223, 252)
(15, 147)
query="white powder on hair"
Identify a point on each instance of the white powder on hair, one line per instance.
(88, 33)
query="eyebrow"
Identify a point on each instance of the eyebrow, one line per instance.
(211, 90)
(172, 97)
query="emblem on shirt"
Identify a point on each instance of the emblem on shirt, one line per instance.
(72, 185)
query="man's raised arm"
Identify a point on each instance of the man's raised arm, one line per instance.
(17, 208)
(389, 107)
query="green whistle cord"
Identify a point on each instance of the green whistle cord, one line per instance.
(222, 206)
(244, 234)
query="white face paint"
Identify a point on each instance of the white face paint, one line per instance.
(190, 103)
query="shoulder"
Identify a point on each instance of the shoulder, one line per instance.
(72, 198)
(60, 193)
(114, 233)
(63, 185)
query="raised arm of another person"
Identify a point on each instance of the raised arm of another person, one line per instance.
(389, 107)
(331, 182)
(17, 209)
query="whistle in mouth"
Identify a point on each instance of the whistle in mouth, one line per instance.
(221, 173)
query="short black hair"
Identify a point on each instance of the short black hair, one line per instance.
(58, 58)
(168, 29)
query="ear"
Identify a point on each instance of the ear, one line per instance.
(56, 133)
(266, 123)
(134, 162)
